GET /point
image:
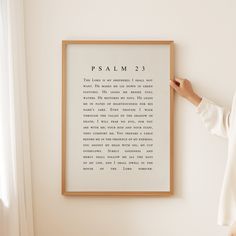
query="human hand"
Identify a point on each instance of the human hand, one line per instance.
(232, 231)
(184, 88)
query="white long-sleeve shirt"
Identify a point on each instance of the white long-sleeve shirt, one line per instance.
(222, 122)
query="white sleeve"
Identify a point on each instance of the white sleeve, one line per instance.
(215, 118)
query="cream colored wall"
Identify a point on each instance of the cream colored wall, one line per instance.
(205, 35)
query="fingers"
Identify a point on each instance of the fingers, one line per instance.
(174, 85)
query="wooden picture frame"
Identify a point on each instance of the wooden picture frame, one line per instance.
(107, 50)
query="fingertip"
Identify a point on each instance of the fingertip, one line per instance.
(173, 85)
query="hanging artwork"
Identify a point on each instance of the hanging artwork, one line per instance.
(117, 117)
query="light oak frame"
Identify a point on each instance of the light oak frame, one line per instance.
(64, 191)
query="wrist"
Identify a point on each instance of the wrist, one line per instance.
(195, 99)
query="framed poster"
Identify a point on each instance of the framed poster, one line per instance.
(117, 117)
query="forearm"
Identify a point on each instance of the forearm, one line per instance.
(215, 117)
(194, 99)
